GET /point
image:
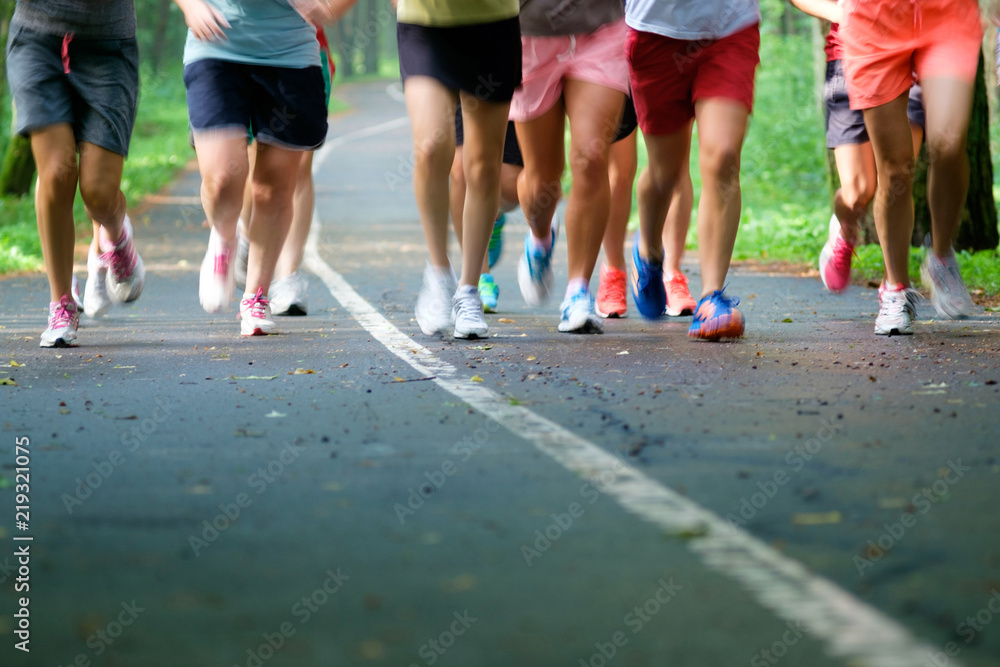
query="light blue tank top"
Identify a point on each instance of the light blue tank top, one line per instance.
(262, 32)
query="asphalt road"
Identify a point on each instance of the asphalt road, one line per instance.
(810, 495)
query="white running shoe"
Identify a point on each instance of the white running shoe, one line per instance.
(288, 294)
(95, 294)
(216, 284)
(242, 255)
(125, 275)
(897, 310)
(64, 318)
(949, 295)
(255, 315)
(578, 315)
(434, 311)
(467, 309)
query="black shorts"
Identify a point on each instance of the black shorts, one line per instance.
(281, 106)
(483, 60)
(844, 125)
(511, 149)
(94, 86)
(629, 121)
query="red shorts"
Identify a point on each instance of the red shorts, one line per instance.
(886, 41)
(669, 75)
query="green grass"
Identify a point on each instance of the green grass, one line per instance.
(158, 150)
(786, 195)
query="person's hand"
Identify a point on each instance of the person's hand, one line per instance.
(205, 21)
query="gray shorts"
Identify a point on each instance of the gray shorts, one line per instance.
(844, 125)
(92, 84)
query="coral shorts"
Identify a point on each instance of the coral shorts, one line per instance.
(597, 57)
(669, 75)
(886, 41)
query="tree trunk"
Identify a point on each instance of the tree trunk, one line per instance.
(978, 230)
(6, 11)
(342, 42)
(368, 26)
(18, 170)
(160, 34)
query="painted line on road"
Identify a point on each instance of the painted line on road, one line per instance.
(850, 628)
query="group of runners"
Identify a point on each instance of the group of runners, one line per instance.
(489, 87)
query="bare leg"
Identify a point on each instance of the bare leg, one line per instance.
(856, 168)
(100, 188)
(892, 142)
(622, 165)
(722, 126)
(303, 205)
(431, 107)
(222, 161)
(678, 220)
(274, 177)
(54, 148)
(539, 186)
(456, 199)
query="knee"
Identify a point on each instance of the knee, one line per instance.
(946, 149)
(857, 192)
(589, 164)
(59, 175)
(896, 175)
(102, 198)
(433, 152)
(224, 184)
(482, 175)
(720, 161)
(268, 195)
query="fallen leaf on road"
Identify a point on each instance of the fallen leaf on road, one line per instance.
(481, 347)
(117, 366)
(244, 433)
(476, 378)
(505, 320)
(254, 377)
(816, 518)
(274, 414)
(621, 353)
(787, 320)
(14, 364)
(8, 382)
(302, 371)
(531, 358)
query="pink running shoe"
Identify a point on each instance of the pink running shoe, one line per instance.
(611, 299)
(679, 299)
(217, 280)
(835, 260)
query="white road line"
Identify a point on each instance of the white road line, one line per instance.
(849, 628)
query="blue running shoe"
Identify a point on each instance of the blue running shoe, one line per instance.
(534, 271)
(648, 292)
(496, 239)
(489, 292)
(716, 317)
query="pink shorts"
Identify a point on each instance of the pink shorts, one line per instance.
(886, 41)
(597, 57)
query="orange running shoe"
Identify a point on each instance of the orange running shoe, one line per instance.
(679, 299)
(716, 317)
(611, 300)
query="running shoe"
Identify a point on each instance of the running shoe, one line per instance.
(434, 307)
(496, 239)
(835, 260)
(679, 299)
(288, 294)
(897, 310)
(716, 317)
(611, 301)
(95, 295)
(125, 275)
(467, 311)
(255, 315)
(534, 271)
(949, 295)
(648, 292)
(489, 292)
(578, 315)
(242, 257)
(64, 318)
(216, 284)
